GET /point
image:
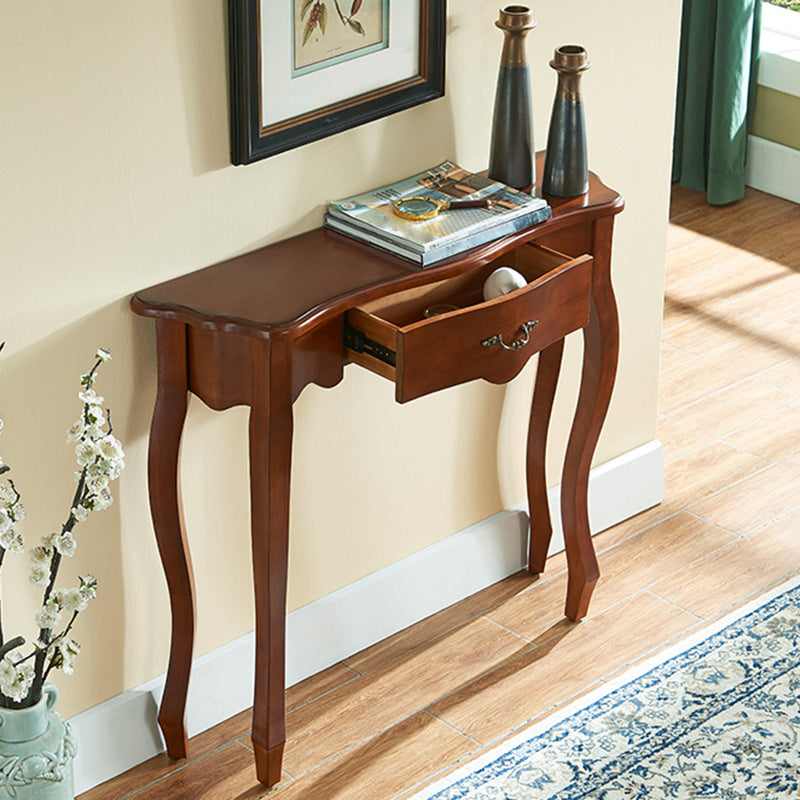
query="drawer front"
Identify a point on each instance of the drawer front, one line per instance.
(490, 340)
(493, 340)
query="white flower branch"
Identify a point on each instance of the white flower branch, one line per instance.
(101, 459)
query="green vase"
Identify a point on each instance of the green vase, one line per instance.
(36, 751)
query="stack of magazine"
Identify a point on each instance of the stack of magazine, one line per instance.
(371, 217)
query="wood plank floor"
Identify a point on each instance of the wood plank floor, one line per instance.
(386, 721)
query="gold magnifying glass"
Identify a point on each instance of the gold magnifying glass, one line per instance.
(419, 207)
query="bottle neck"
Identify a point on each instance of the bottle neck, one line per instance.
(514, 53)
(569, 85)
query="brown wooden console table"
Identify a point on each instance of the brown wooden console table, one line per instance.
(258, 328)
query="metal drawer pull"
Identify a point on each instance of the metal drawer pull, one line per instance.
(498, 339)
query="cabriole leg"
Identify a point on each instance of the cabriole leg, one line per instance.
(166, 509)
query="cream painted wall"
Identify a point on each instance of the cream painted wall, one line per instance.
(115, 175)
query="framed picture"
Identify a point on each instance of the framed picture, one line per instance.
(301, 70)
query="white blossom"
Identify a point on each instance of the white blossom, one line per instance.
(110, 447)
(80, 512)
(39, 574)
(106, 464)
(8, 672)
(13, 541)
(40, 555)
(69, 650)
(85, 453)
(104, 354)
(75, 431)
(103, 499)
(49, 615)
(25, 676)
(89, 587)
(90, 397)
(72, 600)
(95, 430)
(5, 520)
(95, 419)
(49, 540)
(96, 478)
(15, 680)
(66, 544)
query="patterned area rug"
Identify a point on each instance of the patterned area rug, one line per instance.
(717, 717)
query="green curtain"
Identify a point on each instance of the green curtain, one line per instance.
(716, 91)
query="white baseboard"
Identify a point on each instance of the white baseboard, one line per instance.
(122, 732)
(773, 168)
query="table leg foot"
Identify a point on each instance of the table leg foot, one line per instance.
(579, 593)
(268, 763)
(175, 736)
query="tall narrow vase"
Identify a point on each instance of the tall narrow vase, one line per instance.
(36, 752)
(511, 158)
(566, 170)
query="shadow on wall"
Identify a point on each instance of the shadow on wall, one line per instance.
(201, 40)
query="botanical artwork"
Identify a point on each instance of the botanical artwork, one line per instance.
(327, 32)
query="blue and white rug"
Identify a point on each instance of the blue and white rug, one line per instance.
(718, 716)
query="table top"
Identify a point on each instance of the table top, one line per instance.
(285, 288)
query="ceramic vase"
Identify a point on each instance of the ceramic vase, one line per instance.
(511, 156)
(37, 749)
(566, 170)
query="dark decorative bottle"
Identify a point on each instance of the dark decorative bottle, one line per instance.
(566, 170)
(511, 158)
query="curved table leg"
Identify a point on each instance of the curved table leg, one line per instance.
(544, 392)
(165, 506)
(601, 347)
(270, 472)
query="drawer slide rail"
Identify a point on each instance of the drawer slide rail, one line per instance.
(357, 341)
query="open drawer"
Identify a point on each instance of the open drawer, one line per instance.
(393, 337)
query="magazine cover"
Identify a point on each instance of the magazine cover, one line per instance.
(373, 211)
(435, 254)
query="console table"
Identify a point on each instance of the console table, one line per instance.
(255, 330)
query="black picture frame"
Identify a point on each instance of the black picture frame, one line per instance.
(252, 141)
